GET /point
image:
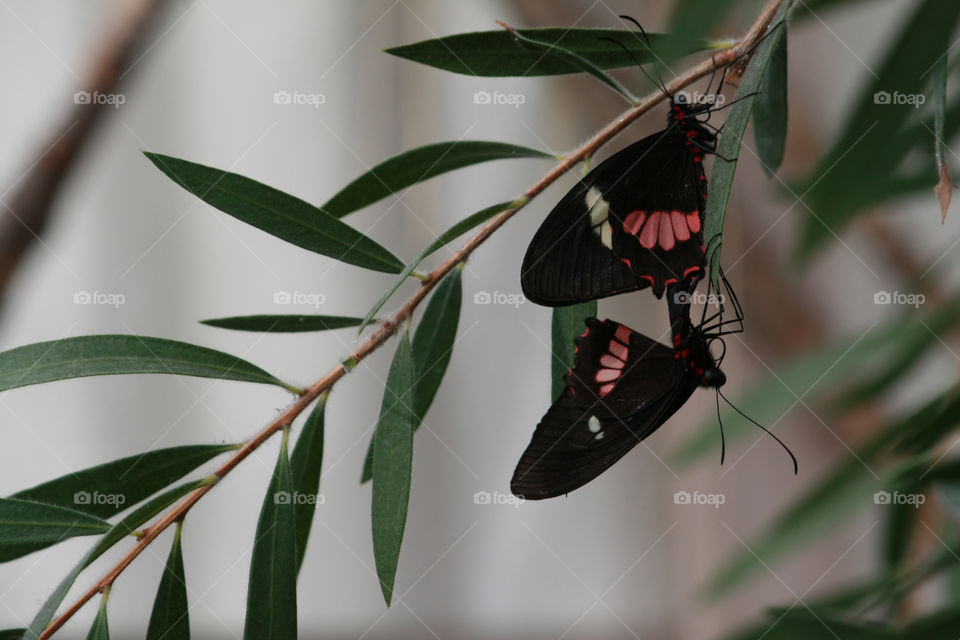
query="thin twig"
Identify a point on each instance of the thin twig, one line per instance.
(387, 328)
(24, 218)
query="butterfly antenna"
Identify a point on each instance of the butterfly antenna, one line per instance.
(723, 440)
(656, 81)
(646, 41)
(796, 467)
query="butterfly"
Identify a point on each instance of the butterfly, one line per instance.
(623, 387)
(634, 221)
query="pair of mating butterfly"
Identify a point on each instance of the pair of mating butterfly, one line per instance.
(635, 221)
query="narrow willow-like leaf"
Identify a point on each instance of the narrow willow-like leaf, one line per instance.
(305, 464)
(121, 530)
(567, 324)
(878, 135)
(100, 630)
(277, 213)
(170, 618)
(898, 525)
(28, 526)
(433, 342)
(557, 50)
(417, 165)
(444, 238)
(103, 355)
(498, 54)
(12, 634)
(944, 188)
(272, 588)
(432, 347)
(283, 324)
(392, 465)
(108, 489)
(770, 112)
(721, 179)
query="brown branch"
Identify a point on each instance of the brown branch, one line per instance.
(388, 327)
(24, 218)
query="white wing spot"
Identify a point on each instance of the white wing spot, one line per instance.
(606, 234)
(598, 207)
(593, 424)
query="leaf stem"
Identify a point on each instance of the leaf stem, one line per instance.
(388, 327)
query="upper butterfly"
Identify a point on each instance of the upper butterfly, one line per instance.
(635, 221)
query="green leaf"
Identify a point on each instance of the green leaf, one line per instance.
(283, 324)
(898, 524)
(272, 589)
(432, 347)
(278, 213)
(567, 324)
(557, 50)
(28, 526)
(107, 489)
(939, 625)
(100, 630)
(498, 54)
(433, 342)
(118, 532)
(444, 238)
(877, 135)
(721, 179)
(103, 355)
(417, 165)
(392, 465)
(948, 494)
(305, 464)
(12, 634)
(170, 618)
(770, 111)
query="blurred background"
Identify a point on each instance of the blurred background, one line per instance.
(615, 559)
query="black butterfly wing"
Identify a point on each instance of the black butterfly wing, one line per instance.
(623, 387)
(632, 222)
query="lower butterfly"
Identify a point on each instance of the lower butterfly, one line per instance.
(622, 388)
